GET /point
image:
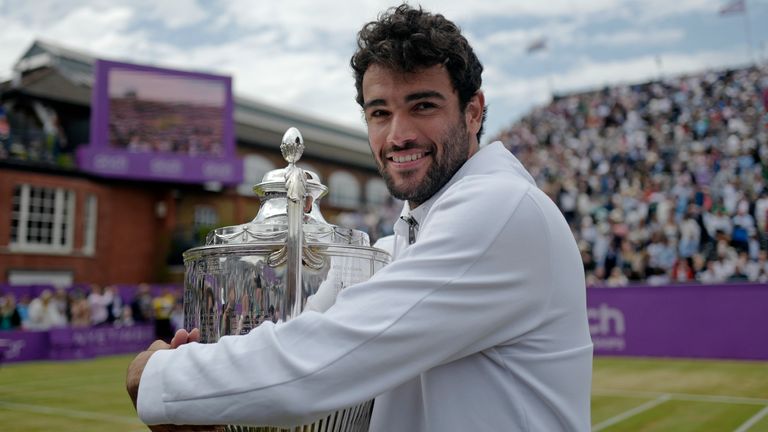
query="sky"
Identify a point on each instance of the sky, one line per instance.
(294, 54)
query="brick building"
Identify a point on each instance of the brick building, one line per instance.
(62, 224)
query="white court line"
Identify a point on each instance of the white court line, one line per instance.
(51, 382)
(42, 409)
(751, 422)
(682, 396)
(629, 413)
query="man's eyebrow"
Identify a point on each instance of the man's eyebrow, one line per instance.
(428, 94)
(375, 102)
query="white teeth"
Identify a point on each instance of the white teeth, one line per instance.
(407, 158)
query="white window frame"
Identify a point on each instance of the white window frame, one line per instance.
(206, 216)
(254, 168)
(62, 225)
(376, 192)
(57, 278)
(344, 190)
(91, 220)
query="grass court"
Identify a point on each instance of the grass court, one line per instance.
(628, 394)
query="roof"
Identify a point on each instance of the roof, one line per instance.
(51, 71)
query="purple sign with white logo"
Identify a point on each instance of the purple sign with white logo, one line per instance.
(694, 321)
(70, 343)
(150, 123)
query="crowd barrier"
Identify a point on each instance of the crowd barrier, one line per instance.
(728, 321)
(74, 343)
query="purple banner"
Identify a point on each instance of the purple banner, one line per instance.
(160, 166)
(74, 343)
(89, 342)
(694, 321)
(19, 346)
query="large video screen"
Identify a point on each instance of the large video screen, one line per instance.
(154, 123)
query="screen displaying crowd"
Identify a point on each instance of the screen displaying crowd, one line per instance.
(150, 126)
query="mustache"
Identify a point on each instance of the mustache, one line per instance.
(410, 145)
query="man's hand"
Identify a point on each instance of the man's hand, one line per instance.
(182, 337)
(136, 368)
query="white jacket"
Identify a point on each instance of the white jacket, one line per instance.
(479, 325)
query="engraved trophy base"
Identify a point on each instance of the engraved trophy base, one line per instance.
(353, 419)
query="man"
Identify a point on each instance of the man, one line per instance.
(480, 321)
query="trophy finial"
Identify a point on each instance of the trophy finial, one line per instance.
(292, 145)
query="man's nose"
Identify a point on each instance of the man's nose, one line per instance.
(402, 130)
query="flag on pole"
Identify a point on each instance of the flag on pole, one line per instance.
(538, 44)
(733, 7)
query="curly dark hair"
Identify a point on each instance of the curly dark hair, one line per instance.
(408, 39)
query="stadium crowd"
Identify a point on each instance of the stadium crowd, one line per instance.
(663, 182)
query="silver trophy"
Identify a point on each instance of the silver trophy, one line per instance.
(286, 260)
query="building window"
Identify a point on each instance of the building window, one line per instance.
(376, 192)
(42, 219)
(60, 278)
(205, 217)
(254, 168)
(344, 190)
(91, 218)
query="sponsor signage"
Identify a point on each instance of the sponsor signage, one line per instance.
(693, 321)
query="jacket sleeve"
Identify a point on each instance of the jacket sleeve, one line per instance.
(477, 277)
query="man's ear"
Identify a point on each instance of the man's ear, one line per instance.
(473, 114)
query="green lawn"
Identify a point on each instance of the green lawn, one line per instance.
(76, 396)
(629, 394)
(644, 395)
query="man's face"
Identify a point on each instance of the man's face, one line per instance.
(418, 135)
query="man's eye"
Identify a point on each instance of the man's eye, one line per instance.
(377, 113)
(424, 106)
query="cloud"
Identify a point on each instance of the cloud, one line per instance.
(295, 54)
(635, 37)
(175, 14)
(589, 74)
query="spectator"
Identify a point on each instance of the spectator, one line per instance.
(80, 308)
(177, 315)
(163, 307)
(10, 318)
(115, 306)
(23, 308)
(682, 271)
(99, 300)
(44, 314)
(126, 317)
(617, 278)
(141, 305)
(61, 301)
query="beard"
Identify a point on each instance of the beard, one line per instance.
(454, 153)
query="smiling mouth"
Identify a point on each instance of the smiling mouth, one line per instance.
(407, 158)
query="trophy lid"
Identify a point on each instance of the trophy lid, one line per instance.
(271, 221)
(274, 182)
